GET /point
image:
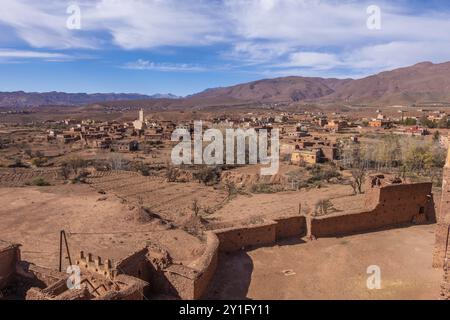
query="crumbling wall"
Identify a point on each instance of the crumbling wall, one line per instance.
(191, 282)
(9, 257)
(266, 233)
(442, 243)
(290, 227)
(182, 279)
(397, 204)
(206, 265)
(233, 239)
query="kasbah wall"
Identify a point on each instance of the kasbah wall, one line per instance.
(441, 256)
(9, 257)
(389, 204)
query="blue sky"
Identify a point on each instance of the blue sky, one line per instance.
(186, 46)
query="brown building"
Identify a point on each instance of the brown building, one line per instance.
(380, 123)
(300, 157)
(125, 146)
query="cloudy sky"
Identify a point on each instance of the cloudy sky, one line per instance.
(185, 46)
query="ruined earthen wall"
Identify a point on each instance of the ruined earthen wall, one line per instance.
(290, 227)
(442, 237)
(398, 204)
(191, 282)
(9, 257)
(443, 227)
(206, 265)
(233, 239)
(182, 280)
(135, 265)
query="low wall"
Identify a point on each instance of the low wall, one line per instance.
(206, 265)
(290, 227)
(191, 282)
(233, 239)
(266, 233)
(398, 204)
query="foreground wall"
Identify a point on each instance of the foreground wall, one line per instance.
(395, 205)
(442, 244)
(9, 257)
(191, 282)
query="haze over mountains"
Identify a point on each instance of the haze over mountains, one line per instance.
(422, 83)
(24, 99)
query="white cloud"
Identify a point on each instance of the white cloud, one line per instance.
(278, 34)
(164, 67)
(41, 24)
(255, 53)
(317, 60)
(14, 55)
(154, 23)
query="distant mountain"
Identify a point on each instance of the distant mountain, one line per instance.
(277, 90)
(421, 83)
(163, 96)
(33, 99)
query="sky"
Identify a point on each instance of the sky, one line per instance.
(186, 46)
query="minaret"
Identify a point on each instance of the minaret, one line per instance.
(442, 246)
(141, 115)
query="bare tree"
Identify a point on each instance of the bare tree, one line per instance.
(195, 207)
(116, 161)
(357, 180)
(172, 173)
(324, 207)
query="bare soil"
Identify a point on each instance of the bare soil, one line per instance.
(95, 223)
(334, 268)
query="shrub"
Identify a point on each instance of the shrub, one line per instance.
(40, 182)
(318, 173)
(265, 188)
(208, 175)
(172, 173)
(38, 162)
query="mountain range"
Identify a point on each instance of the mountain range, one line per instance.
(33, 99)
(424, 82)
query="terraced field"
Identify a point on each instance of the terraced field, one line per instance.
(172, 201)
(23, 177)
